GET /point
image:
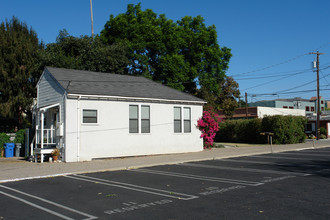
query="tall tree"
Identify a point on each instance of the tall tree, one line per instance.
(225, 98)
(19, 69)
(184, 55)
(85, 53)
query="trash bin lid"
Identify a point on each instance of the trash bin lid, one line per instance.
(9, 145)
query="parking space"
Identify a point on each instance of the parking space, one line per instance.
(286, 185)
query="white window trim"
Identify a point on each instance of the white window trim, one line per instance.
(91, 124)
(140, 119)
(182, 119)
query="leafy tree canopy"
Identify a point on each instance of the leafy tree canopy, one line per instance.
(85, 53)
(19, 70)
(184, 55)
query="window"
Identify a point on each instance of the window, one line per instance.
(177, 120)
(187, 120)
(139, 123)
(321, 101)
(312, 108)
(89, 116)
(307, 108)
(145, 119)
(322, 108)
(133, 119)
(285, 106)
(290, 107)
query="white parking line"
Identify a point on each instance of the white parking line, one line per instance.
(46, 201)
(248, 161)
(314, 151)
(196, 177)
(244, 169)
(279, 157)
(305, 154)
(322, 151)
(133, 187)
(262, 162)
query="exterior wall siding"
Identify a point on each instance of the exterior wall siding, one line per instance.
(49, 93)
(110, 137)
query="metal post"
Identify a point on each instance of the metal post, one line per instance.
(91, 6)
(271, 144)
(246, 106)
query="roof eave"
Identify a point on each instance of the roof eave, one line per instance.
(122, 98)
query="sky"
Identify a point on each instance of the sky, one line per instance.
(270, 40)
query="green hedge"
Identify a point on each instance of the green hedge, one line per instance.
(286, 129)
(4, 138)
(20, 136)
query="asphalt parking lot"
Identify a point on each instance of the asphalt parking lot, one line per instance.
(290, 185)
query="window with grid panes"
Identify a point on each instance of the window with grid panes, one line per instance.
(187, 120)
(133, 119)
(145, 119)
(89, 116)
(177, 120)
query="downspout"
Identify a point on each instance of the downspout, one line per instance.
(78, 127)
(42, 129)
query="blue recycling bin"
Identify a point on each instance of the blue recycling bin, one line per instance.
(9, 149)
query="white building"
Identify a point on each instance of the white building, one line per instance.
(91, 115)
(261, 112)
(267, 111)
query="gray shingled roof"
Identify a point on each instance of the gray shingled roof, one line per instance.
(108, 84)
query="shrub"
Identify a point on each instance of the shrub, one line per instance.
(323, 131)
(286, 129)
(20, 136)
(4, 139)
(240, 131)
(323, 136)
(208, 125)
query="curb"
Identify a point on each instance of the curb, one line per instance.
(158, 164)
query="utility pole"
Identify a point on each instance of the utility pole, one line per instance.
(91, 6)
(246, 106)
(318, 92)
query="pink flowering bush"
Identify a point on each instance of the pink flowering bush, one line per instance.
(208, 125)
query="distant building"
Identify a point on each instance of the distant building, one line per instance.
(309, 105)
(260, 112)
(310, 127)
(327, 104)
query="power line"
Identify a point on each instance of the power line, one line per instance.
(273, 76)
(262, 84)
(301, 85)
(324, 77)
(286, 93)
(281, 63)
(268, 67)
